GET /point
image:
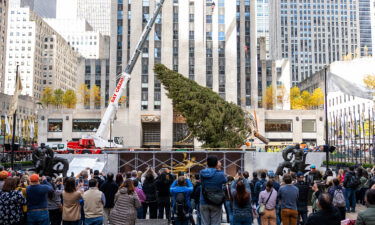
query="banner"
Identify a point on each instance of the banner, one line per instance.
(31, 126)
(7, 125)
(17, 92)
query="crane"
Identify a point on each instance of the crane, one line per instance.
(123, 79)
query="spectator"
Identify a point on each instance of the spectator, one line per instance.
(196, 197)
(271, 177)
(119, 179)
(363, 185)
(242, 209)
(109, 188)
(337, 194)
(212, 179)
(268, 198)
(288, 197)
(327, 215)
(351, 183)
(254, 197)
(141, 196)
(313, 175)
(37, 200)
(84, 179)
(181, 190)
(261, 184)
(228, 199)
(328, 177)
(98, 178)
(71, 207)
(341, 176)
(94, 201)
(163, 184)
(303, 192)
(246, 175)
(11, 202)
(3, 176)
(367, 217)
(54, 202)
(149, 188)
(317, 190)
(126, 204)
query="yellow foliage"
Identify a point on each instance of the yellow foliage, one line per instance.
(317, 98)
(369, 81)
(84, 94)
(306, 100)
(269, 98)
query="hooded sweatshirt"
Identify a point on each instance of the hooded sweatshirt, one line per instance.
(212, 178)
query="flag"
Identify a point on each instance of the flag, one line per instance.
(7, 125)
(338, 83)
(31, 126)
(17, 92)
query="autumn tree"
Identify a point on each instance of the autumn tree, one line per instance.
(95, 94)
(58, 97)
(84, 95)
(317, 98)
(369, 81)
(306, 100)
(70, 99)
(47, 96)
(269, 98)
(295, 98)
(281, 95)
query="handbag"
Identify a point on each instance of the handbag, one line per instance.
(262, 207)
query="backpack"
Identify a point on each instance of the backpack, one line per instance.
(181, 208)
(212, 195)
(353, 182)
(338, 198)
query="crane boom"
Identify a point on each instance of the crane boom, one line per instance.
(123, 80)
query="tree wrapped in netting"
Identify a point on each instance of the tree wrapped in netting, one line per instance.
(212, 120)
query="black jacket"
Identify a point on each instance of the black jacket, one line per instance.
(163, 184)
(325, 217)
(348, 177)
(109, 188)
(303, 189)
(149, 188)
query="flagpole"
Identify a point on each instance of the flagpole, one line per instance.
(326, 115)
(14, 126)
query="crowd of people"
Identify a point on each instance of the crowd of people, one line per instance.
(93, 198)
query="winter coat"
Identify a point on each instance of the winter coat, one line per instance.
(325, 217)
(187, 190)
(149, 188)
(303, 189)
(125, 210)
(211, 178)
(109, 188)
(163, 183)
(367, 216)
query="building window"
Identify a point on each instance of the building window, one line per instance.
(85, 125)
(278, 125)
(55, 125)
(308, 126)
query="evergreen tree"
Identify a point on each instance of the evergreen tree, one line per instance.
(211, 119)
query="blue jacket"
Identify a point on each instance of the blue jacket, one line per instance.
(259, 186)
(37, 195)
(212, 178)
(187, 190)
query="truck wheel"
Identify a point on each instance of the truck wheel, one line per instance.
(86, 151)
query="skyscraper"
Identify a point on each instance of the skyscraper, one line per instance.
(313, 33)
(43, 56)
(96, 12)
(211, 42)
(365, 26)
(262, 18)
(45, 9)
(4, 4)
